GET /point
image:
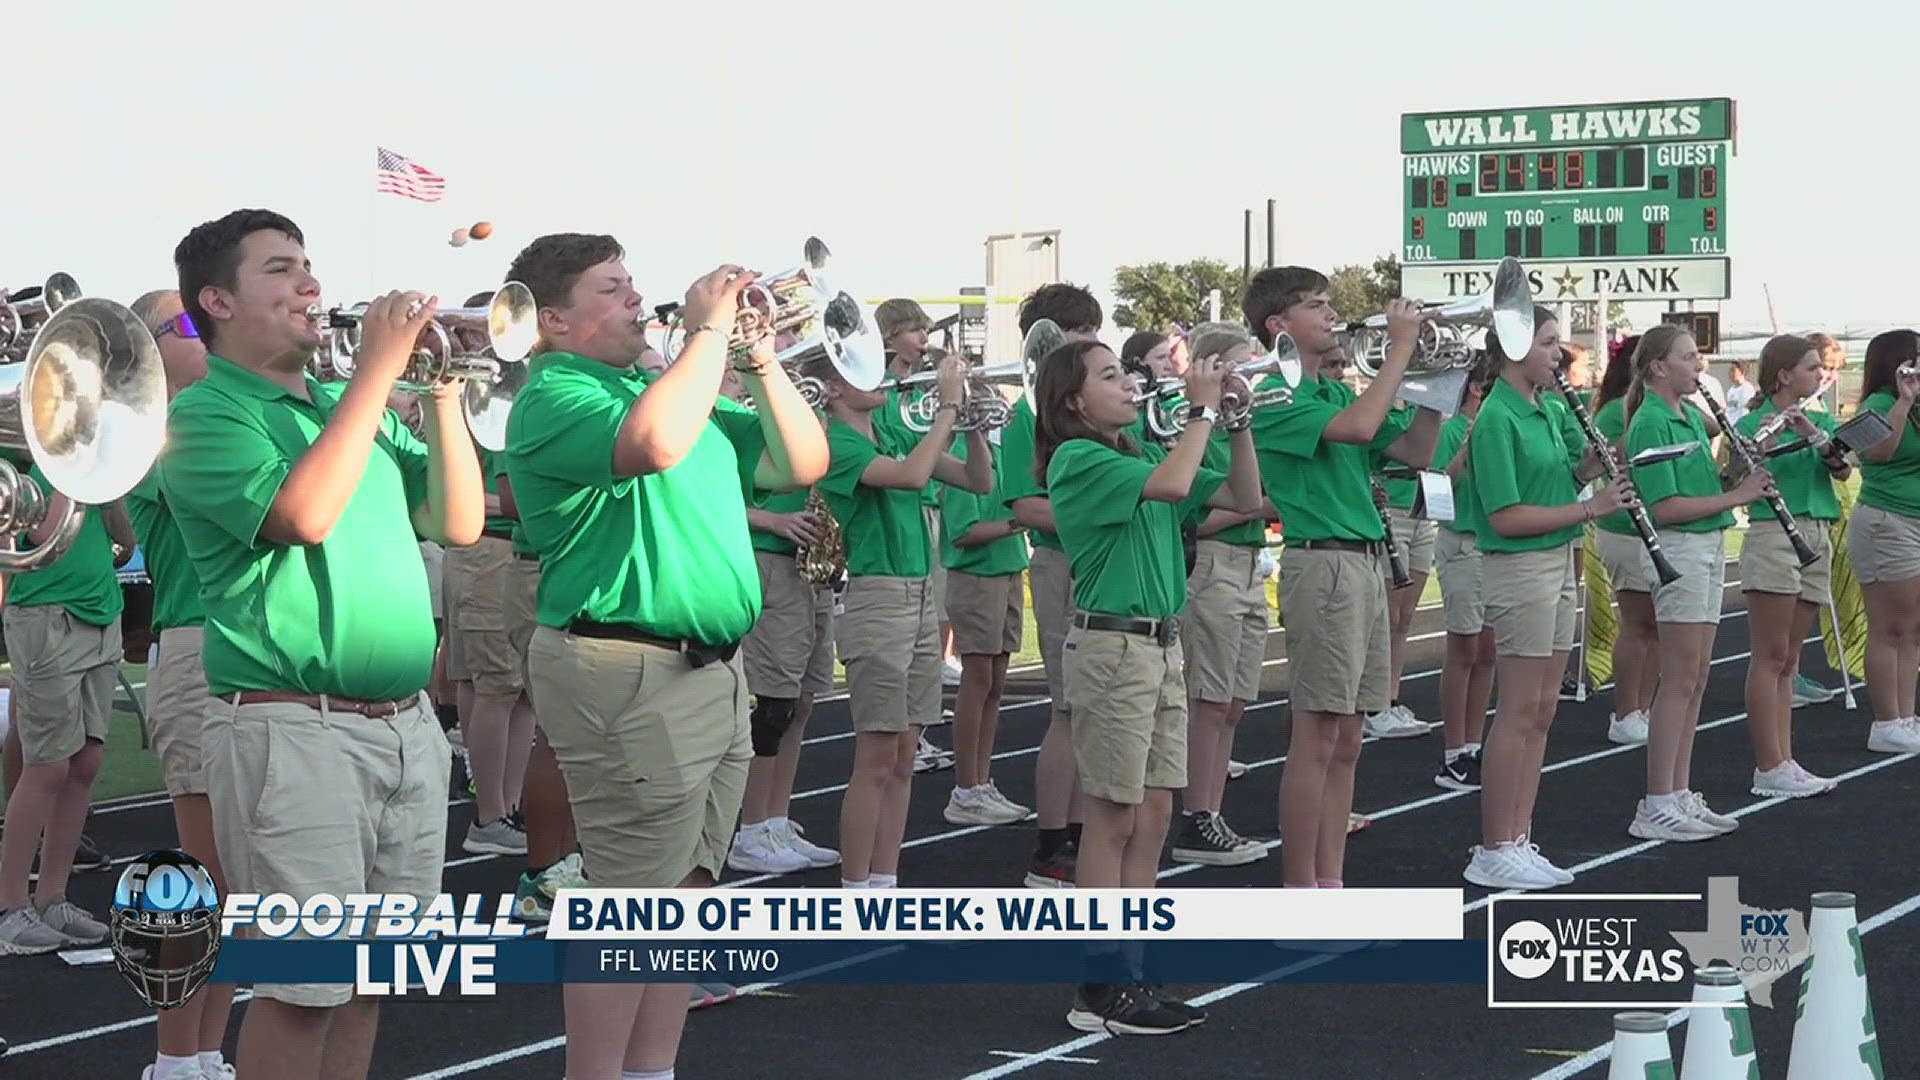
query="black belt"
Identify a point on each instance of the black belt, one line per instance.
(1164, 631)
(1358, 547)
(497, 534)
(698, 655)
(526, 556)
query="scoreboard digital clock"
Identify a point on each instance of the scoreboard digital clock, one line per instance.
(1613, 183)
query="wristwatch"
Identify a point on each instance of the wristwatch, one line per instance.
(1203, 412)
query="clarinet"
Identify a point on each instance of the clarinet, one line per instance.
(1751, 459)
(1610, 466)
(1395, 564)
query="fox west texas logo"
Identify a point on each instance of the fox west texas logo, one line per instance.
(1587, 950)
(1761, 944)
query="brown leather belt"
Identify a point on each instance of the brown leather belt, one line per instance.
(375, 710)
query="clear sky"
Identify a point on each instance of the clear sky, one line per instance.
(904, 134)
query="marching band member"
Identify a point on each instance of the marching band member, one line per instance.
(62, 626)
(886, 635)
(1118, 508)
(788, 659)
(646, 588)
(1636, 652)
(1783, 597)
(1692, 511)
(1413, 539)
(1057, 804)
(1223, 638)
(1148, 352)
(299, 504)
(1883, 540)
(1527, 516)
(190, 1037)
(1466, 676)
(1316, 455)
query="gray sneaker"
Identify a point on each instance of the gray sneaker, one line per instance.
(72, 922)
(495, 838)
(23, 933)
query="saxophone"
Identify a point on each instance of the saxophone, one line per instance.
(824, 562)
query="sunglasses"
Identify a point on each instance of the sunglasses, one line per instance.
(180, 324)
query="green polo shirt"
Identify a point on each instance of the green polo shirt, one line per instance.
(349, 616)
(491, 466)
(1219, 458)
(1519, 458)
(1322, 489)
(1124, 552)
(669, 552)
(1655, 423)
(496, 467)
(1893, 486)
(1016, 460)
(1804, 482)
(889, 415)
(885, 529)
(1402, 492)
(1452, 433)
(83, 580)
(1571, 433)
(1611, 423)
(774, 502)
(176, 588)
(961, 510)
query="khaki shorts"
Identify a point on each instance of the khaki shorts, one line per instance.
(435, 557)
(1883, 546)
(64, 672)
(889, 641)
(1463, 597)
(1531, 600)
(789, 651)
(1336, 610)
(654, 751)
(307, 801)
(937, 573)
(1051, 580)
(177, 707)
(523, 600)
(986, 613)
(479, 648)
(1701, 559)
(1223, 630)
(1413, 539)
(1625, 557)
(1129, 703)
(1768, 563)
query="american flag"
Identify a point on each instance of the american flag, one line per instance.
(401, 176)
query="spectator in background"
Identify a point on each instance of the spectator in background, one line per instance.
(1577, 361)
(1833, 357)
(1740, 394)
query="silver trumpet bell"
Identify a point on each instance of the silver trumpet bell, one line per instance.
(983, 407)
(89, 402)
(20, 321)
(1240, 391)
(1506, 310)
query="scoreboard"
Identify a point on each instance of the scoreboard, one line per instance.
(1638, 190)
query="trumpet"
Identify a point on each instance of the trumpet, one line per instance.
(89, 403)
(1239, 392)
(1506, 309)
(21, 320)
(485, 347)
(982, 406)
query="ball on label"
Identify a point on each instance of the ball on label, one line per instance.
(481, 230)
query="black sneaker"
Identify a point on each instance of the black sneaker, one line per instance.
(1462, 773)
(1123, 1010)
(1053, 871)
(1194, 1014)
(1204, 839)
(1569, 689)
(88, 856)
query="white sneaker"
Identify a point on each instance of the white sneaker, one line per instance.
(930, 758)
(1627, 730)
(1506, 867)
(1668, 820)
(1787, 780)
(1531, 851)
(1826, 783)
(787, 832)
(950, 673)
(756, 850)
(973, 806)
(1696, 804)
(993, 792)
(1394, 723)
(1236, 769)
(1894, 736)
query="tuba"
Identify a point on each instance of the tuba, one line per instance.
(89, 403)
(1506, 309)
(822, 563)
(484, 347)
(21, 320)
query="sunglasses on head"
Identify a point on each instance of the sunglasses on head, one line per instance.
(180, 324)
